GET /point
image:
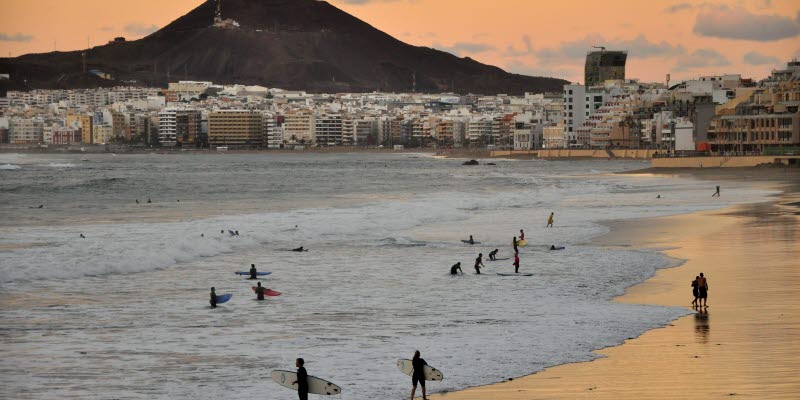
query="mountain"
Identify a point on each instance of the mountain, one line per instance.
(292, 44)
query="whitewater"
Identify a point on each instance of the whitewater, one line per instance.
(123, 312)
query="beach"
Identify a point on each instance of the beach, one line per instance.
(744, 344)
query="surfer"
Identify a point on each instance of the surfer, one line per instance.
(213, 300)
(253, 274)
(479, 263)
(456, 267)
(148, 201)
(418, 376)
(514, 242)
(299, 249)
(302, 379)
(137, 201)
(236, 233)
(550, 221)
(222, 231)
(716, 193)
(521, 235)
(471, 241)
(230, 232)
(493, 255)
(260, 291)
(516, 263)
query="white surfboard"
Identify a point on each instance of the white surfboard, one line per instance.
(315, 385)
(431, 374)
(513, 274)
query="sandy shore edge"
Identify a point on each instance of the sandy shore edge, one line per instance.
(744, 344)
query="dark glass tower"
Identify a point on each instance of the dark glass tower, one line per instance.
(604, 65)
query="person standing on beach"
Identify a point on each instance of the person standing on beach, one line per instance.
(213, 300)
(418, 376)
(695, 290)
(302, 379)
(479, 263)
(716, 193)
(702, 290)
(516, 263)
(550, 221)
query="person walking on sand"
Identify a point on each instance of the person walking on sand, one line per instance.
(418, 376)
(550, 221)
(516, 263)
(702, 290)
(716, 193)
(479, 263)
(695, 290)
(302, 379)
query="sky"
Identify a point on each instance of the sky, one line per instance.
(532, 37)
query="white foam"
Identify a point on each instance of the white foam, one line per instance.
(9, 167)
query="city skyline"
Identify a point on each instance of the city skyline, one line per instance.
(680, 38)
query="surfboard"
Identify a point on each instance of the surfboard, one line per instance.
(513, 274)
(431, 374)
(315, 385)
(500, 259)
(257, 273)
(467, 241)
(522, 242)
(223, 298)
(269, 292)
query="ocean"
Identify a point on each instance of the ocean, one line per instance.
(123, 313)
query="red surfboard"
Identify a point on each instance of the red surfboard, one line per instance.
(268, 292)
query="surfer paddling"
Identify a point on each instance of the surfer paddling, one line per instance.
(302, 379)
(299, 249)
(418, 376)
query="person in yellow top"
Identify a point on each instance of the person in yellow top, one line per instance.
(550, 221)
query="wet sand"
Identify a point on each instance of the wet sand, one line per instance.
(746, 343)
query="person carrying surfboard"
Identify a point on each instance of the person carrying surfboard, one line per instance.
(418, 376)
(260, 291)
(493, 254)
(302, 379)
(213, 300)
(456, 267)
(479, 263)
(253, 272)
(516, 263)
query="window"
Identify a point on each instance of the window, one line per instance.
(570, 115)
(570, 106)
(570, 129)
(570, 99)
(570, 91)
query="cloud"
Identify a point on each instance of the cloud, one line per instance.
(16, 37)
(137, 28)
(461, 48)
(562, 72)
(701, 58)
(639, 47)
(756, 58)
(739, 24)
(677, 8)
(106, 28)
(512, 52)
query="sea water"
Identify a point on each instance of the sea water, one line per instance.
(123, 312)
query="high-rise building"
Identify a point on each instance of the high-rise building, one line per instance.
(240, 128)
(604, 65)
(328, 129)
(188, 127)
(87, 129)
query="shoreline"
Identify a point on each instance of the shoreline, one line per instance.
(738, 356)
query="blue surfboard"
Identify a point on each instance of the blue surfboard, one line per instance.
(257, 273)
(223, 298)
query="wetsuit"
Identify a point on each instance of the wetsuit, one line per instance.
(302, 383)
(478, 263)
(253, 274)
(493, 254)
(419, 372)
(213, 300)
(516, 250)
(455, 268)
(260, 292)
(298, 249)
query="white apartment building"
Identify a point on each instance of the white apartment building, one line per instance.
(168, 127)
(479, 128)
(273, 130)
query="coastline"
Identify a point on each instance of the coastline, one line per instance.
(742, 344)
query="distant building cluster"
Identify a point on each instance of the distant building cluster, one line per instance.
(724, 113)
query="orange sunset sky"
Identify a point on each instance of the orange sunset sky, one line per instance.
(548, 38)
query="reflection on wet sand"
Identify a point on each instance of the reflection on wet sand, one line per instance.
(702, 326)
